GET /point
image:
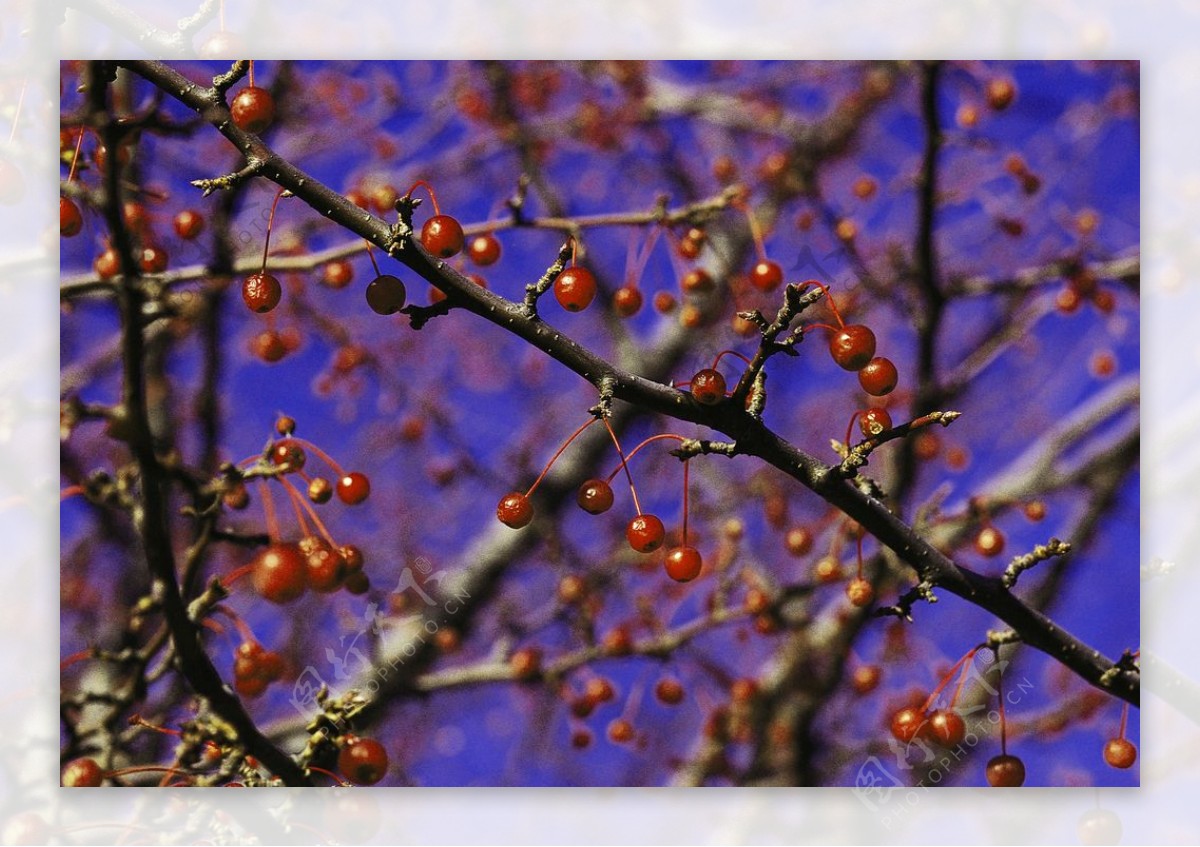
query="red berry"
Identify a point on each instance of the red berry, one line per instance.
(82, 773)
(571, 588)
(268, 345)
(616, 642)
(708, 387)
(279, 573)
(620, 731)
(261, 292)
(757, 601)
(153, 260)
(1120, 753)
(669, 691)
(526, 663)
(575, 289)
(798, 541)
(947, 727)
(878, 377)
(865, 678)
(289, 455)
(515, 510)
(599, 689)
(385, 295)
(696, 281)
(664, 302)
(352, 557)
(627, 301)
(271, 666)
(852, 346)
(1005, 771)
(581, 739)
(907, 724)
(324, 568)
(484, 249)
(359, 583)
(353, 488)
(188, 224)
(874, 421)
(595, 496)
(70, 219)
(766, 275)
(363, 761)
(989, 542)
(743, 690)
(1035, 510)
(442, 236)
(683, 564)
(860, 592)
(253, 109)
(1000, 93)
(250, 686)
(107, 264)
(337, 274)
(645, 533)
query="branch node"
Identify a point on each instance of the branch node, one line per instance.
(1040, 553)
(224, 82)
(535, 290)
(690, 447)
(252, 168)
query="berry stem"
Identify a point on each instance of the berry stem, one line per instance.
(625, 464)
(371, 256)
(634, 275)
(87, 654)
(962, 677)
(823, 326)
(725, 353)
(312, 513)
(251, 73)
(420, 183)
(242, 627)
(685, 502)
(829, 298)
(850, 430)
(637, 449)
(75, 157)
(236, 574)
(271, 217)
(337, 779)
(554, 458)
(291, 490)
(955, 668)
(321, 454)
(269, 508)
(69, 492)
(1124, 720)
(1000, 697)
(860, 557)
(755, 232)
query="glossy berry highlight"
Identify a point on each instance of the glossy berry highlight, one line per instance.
(253, 109)
(363, 761)
(683, 564)
(575, 288)
(442, 236)
(645, 533)
(515, 510)
(261, 292)
(878, 377)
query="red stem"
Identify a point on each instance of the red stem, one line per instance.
(1124, 720)
(312, 513)
(1000, 697)
(685, 502)
(324, 457)
(554, 458)
(251, 73)
(271, 217)
(269, 508)
(850, 429)
(636, 450)
(420, 183)
(829, 297)
(75, 157)
(725, 353)
(756, 233)
(371, 256)
(625, 464)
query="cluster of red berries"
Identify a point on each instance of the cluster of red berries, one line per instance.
(644, 532)
(255, 668)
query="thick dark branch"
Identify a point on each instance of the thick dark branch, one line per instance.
(752, 437)
(152, 516)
